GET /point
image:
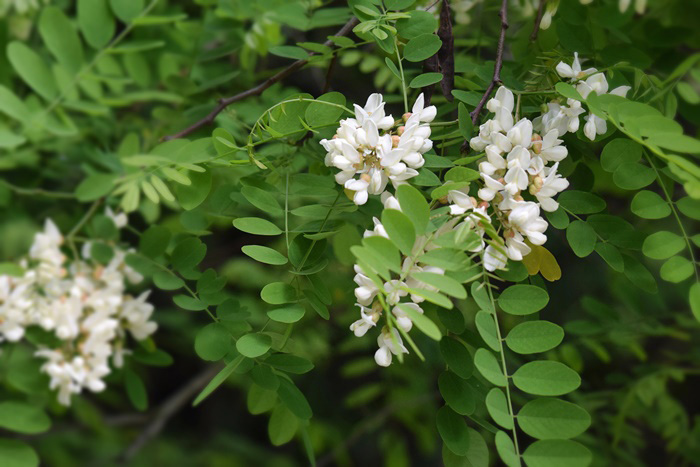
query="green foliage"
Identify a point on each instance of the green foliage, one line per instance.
(93, 96)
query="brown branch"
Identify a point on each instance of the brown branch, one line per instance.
(329, 74)
(538, 20)
(168, 409)
(503, 13)
(257, 90)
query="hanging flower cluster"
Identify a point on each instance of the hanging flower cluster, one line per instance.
(368, 160)
(519, 177)
(519, 163)
(398, 299)
(84, 305)
(565, 117)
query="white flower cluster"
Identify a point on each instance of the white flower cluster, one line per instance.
(83, 305)
(517, 161)
(389, 340)
(367, 160)
(565, 118)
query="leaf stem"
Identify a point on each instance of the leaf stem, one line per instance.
(403, 79)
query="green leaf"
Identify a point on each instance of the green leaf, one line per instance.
(400, 229)
(289, 314)
(633, 176)
(154, 241)
(414, 206)
(457, 357)
(662, 245)
(256, 226)
(457, 392)
(262, 200)
(639, 275)
(486, 326)
(419, 22)
(444, 284)
(135, 390)
(264, 254)
(12, 106)
(17, 454)
(426, 79)
(506, 449)
(611, 255)
(677, 269)
(477, 453)
(318, 114)
(694, 300)
(218, 380)
(485, 361)
(581, 238)
(278, 293)
(620, 151)
(176, 176)
(568, 91)
(522, 299)
(289, 51)
(581, 202)
(126, 10)
(553, 419)
(189, 303)
(689, 207)
(497, 406)
(432, 297)
(24, 418)
(557, 453)
(422, 47)
(382, 250)
(649, 205)
(398, 4)
(96, 22)
(546, 378)
(466, 127)
(61, 38)
(675, 142)
(534, 337)
(212, 342)
(282, 426)
(290, 363)
(188, 253)
(253, 345)
(453, 431)
(167, 281)
(32, 69)
(293, 398)
(422, 322)
(192, 195)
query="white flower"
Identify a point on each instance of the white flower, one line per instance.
(494, 259)
(402, 319)
(120, 220)
(594, 125)
(516, 247)
(552, 184)
(491, 188)
(425, 114)
(525, 218)
(552, 149)
(521, 133)
(516, 178)
(574, 70)
(389, 343)
(366, 291)
(374, 111)
(368, 319)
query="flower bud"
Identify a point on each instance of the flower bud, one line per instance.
(484, 204)
(366, 178)
(474, 201)
(536, 143)
(395, 140)
(400, 130)
(406, 116)
(443, 200)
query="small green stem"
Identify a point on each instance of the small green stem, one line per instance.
(37, 191)
(403, 79)
(672, 205)
(503, 364)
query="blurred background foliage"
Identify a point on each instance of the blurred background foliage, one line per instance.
(140, 76)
